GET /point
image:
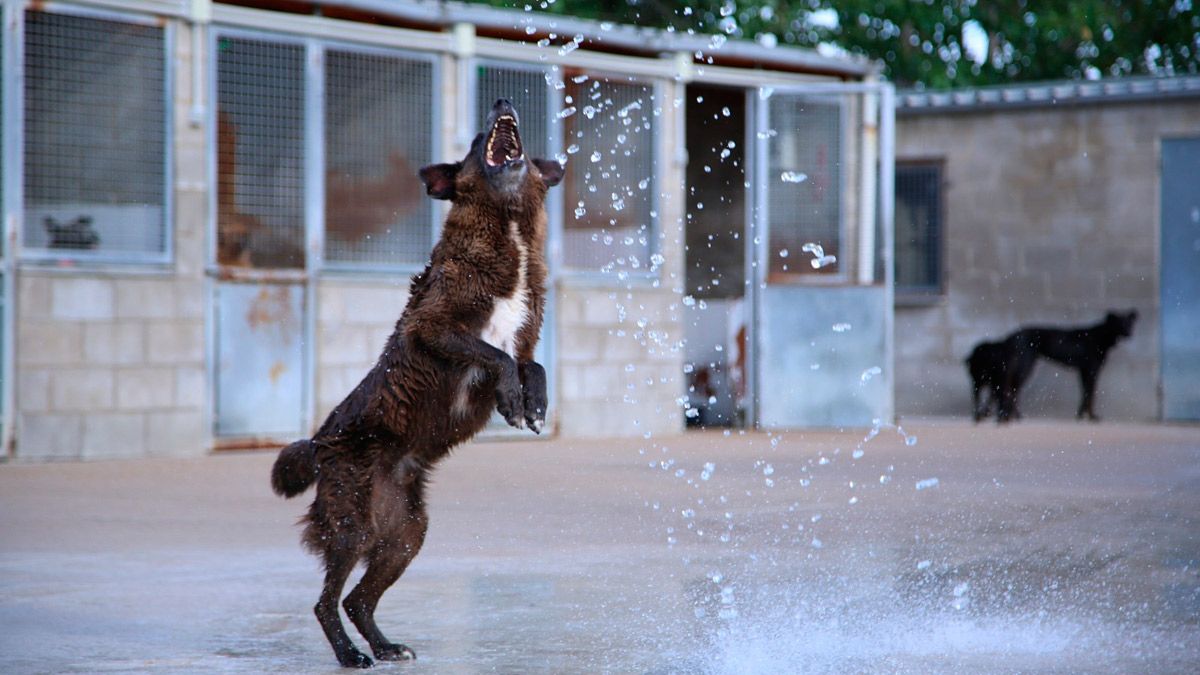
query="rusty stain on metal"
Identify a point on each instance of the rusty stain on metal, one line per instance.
(277, 369)
(272, 307)
(248, 443)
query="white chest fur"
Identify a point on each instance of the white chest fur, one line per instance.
(510, 313)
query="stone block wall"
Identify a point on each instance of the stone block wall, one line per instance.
(109, 367)
(620, 361)
(1051, 217)
(354, 320)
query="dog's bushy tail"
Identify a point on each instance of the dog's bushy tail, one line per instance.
(295, 469)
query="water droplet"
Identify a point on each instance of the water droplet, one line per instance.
(927, 483)
(841, 327)
(566, 112)
(596, 156)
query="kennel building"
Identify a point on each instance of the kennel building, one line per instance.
(211, 216)
(1050, 204)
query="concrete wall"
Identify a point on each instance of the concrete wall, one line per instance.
(354, 320)
(1051, 217)
(111, 363)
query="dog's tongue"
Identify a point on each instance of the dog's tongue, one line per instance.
(505, 143)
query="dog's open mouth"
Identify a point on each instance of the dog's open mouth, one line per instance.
(503, 142)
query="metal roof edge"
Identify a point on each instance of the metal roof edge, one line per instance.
(652, 41)
(1048, 94)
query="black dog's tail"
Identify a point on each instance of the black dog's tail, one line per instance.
(295, 469)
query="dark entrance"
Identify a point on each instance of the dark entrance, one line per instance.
(715, 360)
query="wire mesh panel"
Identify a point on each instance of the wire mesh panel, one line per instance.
(804, 178)
(379, 130)
(918, 227)
(609, 185)
(260, 153)
(95, 138)
(529, 92)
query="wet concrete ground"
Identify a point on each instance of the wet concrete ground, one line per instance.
(1042, 547)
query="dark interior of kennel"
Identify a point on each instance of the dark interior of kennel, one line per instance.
(715, 258)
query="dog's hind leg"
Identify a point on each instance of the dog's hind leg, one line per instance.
(1016, 371)
(387, 562)
(339, 562)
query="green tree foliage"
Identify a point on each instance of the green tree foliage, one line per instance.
(921, 42)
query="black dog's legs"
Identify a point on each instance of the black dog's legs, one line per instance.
(338, 565)
(985, 394)
(1087, 378)
(533, 384)
(1016, 372)
(385, 566)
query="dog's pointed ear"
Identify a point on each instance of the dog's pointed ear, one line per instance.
(552, 171)
(439, 179)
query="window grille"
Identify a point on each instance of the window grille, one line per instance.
(609, 185)
(95, 139)
(379, 131)
(918, 227)
(805, 178)
(528, 90)
(260, 153)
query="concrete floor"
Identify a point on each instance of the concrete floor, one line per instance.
(1042, 547)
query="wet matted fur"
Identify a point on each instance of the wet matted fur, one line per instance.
(463, 347)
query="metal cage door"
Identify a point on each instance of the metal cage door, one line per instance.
(260, 298)
(820, 257)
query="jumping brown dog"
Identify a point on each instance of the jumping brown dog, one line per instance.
(463, 347)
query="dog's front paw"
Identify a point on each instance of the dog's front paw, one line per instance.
(395, 652)
(510, 402)
(533, 381)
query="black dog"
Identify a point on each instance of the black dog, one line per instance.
(1004, 367)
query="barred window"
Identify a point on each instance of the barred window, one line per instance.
(95, 180)
(379, 116)
(609, 185)
(918, 228)
(260, 153)
(804, 173)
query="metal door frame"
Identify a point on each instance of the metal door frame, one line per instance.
(1163, 141)
(11, 125)
(757, 215)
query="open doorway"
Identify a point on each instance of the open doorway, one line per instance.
(715, 331)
